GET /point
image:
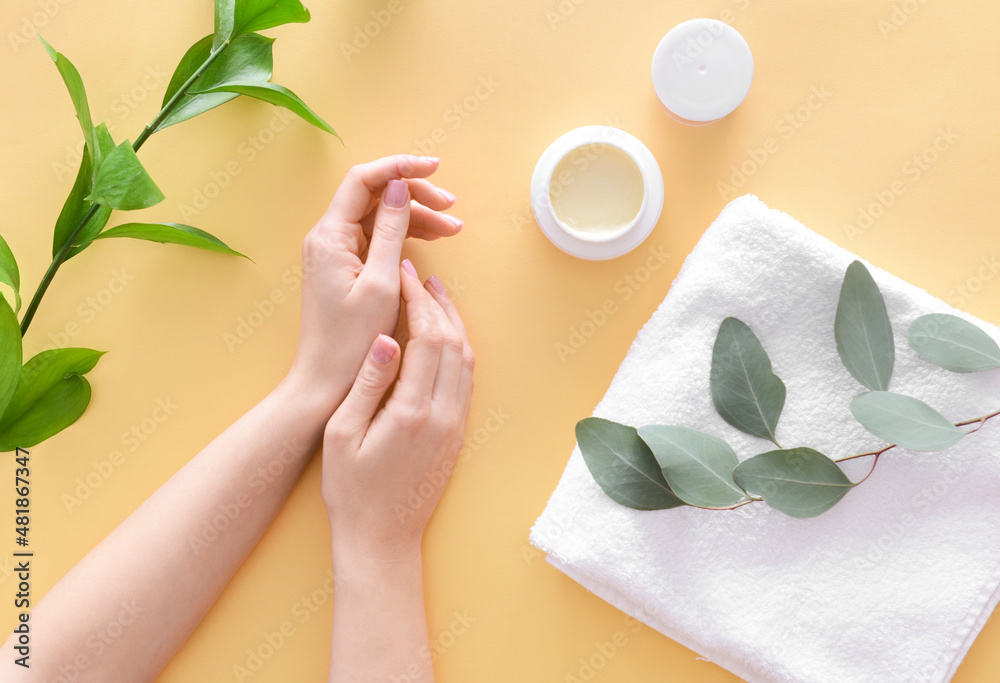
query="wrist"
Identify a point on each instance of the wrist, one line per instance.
(316, 392)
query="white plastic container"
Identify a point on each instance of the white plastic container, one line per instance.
(702, 71)
(597, 192)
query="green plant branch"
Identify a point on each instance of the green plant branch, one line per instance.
(150, 128)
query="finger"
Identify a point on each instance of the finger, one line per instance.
(423, 349)
(376, 375)
(434, 221)
(364, 184)
(392, 220)
(440, 294)
(446, 383)
(466, 360)
(430, 195)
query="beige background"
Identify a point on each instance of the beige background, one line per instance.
(892, 74)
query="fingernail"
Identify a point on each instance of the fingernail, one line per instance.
(383, 350)
(457, 222)
(430, 160)
(447, 195)
(437, 285)
(410, 270)
(396, 194)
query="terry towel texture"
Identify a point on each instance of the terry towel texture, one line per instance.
(891, 585)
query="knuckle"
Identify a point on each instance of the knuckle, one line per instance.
(434, 338)
(469, 359)
(336, 432)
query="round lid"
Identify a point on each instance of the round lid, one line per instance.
(702, 70)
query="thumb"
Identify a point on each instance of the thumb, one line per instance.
(392, 221)
(376, 374)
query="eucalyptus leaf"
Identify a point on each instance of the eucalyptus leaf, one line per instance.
(257, 15)
(277, 95)
(746, 393)
(42, 375)
(904, 421)
(623, 466)
(247, 59)
(10, 354)
(697, 466)
(863, 331)
(171, 233)
(800, 482)
(74, 83)
(225, 18)
(58, 409)
(953, 343)
(9, 274)
(122, 182)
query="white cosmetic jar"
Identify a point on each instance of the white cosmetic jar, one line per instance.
(597, 192)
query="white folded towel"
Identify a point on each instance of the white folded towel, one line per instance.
(892, 584)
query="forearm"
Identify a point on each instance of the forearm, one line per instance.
(160, 571)
(379, 627)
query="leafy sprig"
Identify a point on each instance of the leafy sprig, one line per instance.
(49, 392)
(666, 466)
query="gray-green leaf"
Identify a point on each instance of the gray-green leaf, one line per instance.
(800, 482)
(247, 59)
(74, 83)
(257, 15)
(10, 354)
(9, 274)
(41, 376)
(623, 466)
(953, 343)
(863, 331)
(57, 410)
(122, 182)
(904, 421)
(171, 233)
(746, 393)
(224, 22)
(277, 95)
(697, 466)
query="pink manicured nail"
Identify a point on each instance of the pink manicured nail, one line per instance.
(410, 270)
(437, 285)
(431, 160)
(457, 222)
(383, 350)
(447, 195)
(396, 194)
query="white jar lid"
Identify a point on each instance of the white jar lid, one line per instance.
(702, 70)
(597, 247)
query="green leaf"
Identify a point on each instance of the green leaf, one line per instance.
(122, 182)
(863, 331)
(697, 466)
(58, 409)
(171, 233)
(10, 354)
(247, 59)
(224, 22)
(77, 207)
(953, 343)
(277, 95)
(800, 482)
(904, 421)
(9, 274)
(41, 375)
(746, 393)
(74, 83)
(257, 15)
(623, 466)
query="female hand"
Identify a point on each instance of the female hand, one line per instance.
(350, 268)
(385, 470)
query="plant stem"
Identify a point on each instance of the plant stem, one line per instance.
(150, 128)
